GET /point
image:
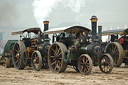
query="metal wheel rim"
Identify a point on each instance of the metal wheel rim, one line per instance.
(58, 57)
(85, 64)
(55, 57)
(17, 54)
(35, 60)
(106, 63)
(116, 51)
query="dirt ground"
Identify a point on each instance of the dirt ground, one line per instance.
(12, 76)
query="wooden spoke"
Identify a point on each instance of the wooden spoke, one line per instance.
(17, 61)
(59, 51)
(55, 58)
(56, 50)
(82, 67)
(53, 63)
(51, 56)
(87, 60)
(115, 48)
(58, 64)
(17, 47)
(85, 69)
(116, 53)
(106, 65)
(83, 59)
(55, 68)
(16, 50)
(60, 54)
(85, 64)
(110, 50)
(53, 51)
(81, 62)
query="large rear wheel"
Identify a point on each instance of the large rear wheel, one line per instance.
(116, 51)
(85, 64)
(56, 57)
(18, 55)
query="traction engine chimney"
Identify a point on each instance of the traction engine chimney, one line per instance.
(100, 33)
(94, 27)
(46, 24)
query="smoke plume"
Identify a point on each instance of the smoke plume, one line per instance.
(43, 8)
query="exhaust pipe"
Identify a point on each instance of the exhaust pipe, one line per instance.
(100, 33)
(94, 27)
(46, 24)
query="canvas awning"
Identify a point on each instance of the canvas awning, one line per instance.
(34, 30)
(70, 29)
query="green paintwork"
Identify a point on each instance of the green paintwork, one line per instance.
(8, 47)
(77, 53)
(125, 53)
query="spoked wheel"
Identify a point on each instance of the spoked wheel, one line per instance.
(106, 63)
(56, 57)
(7, 63)
(18, 55)
(116, 51)
(36, 60)
(85, 64)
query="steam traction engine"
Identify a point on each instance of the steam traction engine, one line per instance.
(118, 46)
(78, 47)
(31, 51)
(7, 53)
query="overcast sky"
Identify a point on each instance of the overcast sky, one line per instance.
(17, 15)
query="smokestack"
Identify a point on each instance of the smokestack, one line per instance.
(46, 23)
(100, 33)
(94, 27)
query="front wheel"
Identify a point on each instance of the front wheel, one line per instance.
(85, 64)
(36, 60)
(106, 63)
